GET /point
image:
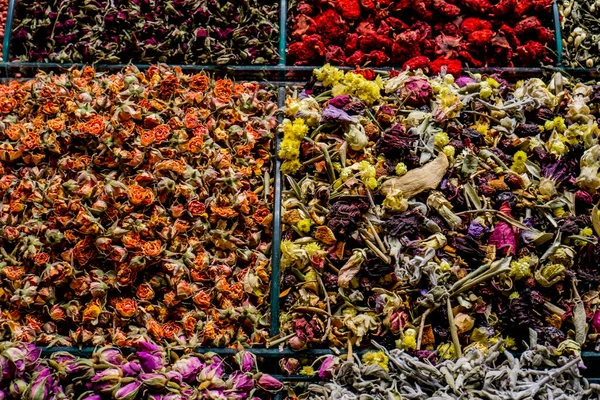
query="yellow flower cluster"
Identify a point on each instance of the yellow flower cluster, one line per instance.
(377, 358)
(367, 174)
(585, 232)
(304, 225)
(449, 151)
(447, 351)
(557, 124)
(312, 248)
(307, 370)
(328, 75)
(401, 169)
(408, 341)
(520, 268)
(487, 88)
(293, 133)
(350, 83)
(441, 139)
(518, 164)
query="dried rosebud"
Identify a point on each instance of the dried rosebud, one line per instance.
(246, 361)
(596, 321)
(17, 388)
(150, 361)
(128, 391)
(240, 382)
(188, 367)
(326, 370)
(290, 365)
(417, 92)
(267, 382)
(109, 355)
(153, 381)
(296, 343)
(464, 322)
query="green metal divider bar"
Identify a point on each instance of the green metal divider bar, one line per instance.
(275, 249)
(8, 33)
(557, 33)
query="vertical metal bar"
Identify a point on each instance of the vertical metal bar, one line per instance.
(275, 266)
(557, 34)
(8, 30)
(8, 33)
(282, 32)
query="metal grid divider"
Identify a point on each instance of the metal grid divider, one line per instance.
(275, 250)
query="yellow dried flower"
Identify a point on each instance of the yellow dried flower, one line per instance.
(520, 157)
(329, 75)
(304, 225)
(376, 358)
(441, 139)
(401, 169)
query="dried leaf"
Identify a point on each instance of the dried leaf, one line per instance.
(470, 163)
(418, 180)
(471, 195)
(351, 268)
(579, 320)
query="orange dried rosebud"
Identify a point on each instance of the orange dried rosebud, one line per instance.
(202, 300)
(223, 90)
(13, 273)
(152, 248)
(127, 308)
(155, 329)
(144, 292)
(199, 82)
(92, 312)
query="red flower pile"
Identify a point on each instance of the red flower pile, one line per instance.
(425, 34)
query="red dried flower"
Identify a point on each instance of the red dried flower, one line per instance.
(453, 67)
(335, 55)
(358, 58)
(531, 51)
(330, 26)
(478, 6)
(368, 73)
(378, 58)
(419, 62)
(445, 8)
(349, 9)
(481, 38)
(470, 25)
(308, 51)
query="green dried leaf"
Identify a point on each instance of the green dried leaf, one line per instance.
(470, 164)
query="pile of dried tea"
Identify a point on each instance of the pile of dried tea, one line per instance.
(421, 33)
(539, 373)
(433, 214)
(152, 372)
(580, 24)
(218, 32)
(135, 203)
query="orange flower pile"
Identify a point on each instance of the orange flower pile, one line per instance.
(135, 205)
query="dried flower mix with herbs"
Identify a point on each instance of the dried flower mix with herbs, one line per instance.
(427, 213)
(580, 33)
(540, 373)
(136, 202)
(421, 34)
(218, 32)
